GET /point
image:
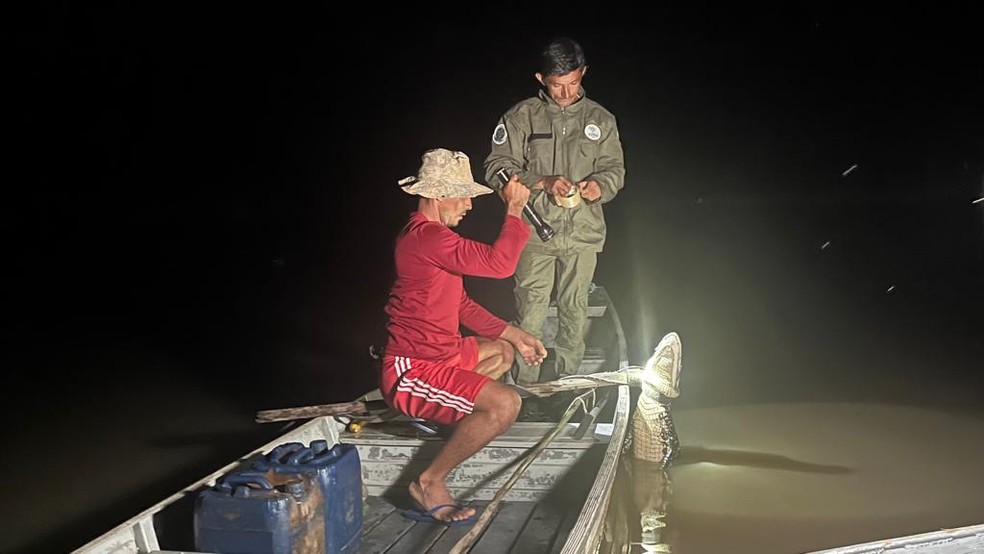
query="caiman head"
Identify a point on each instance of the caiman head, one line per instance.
(662, 369)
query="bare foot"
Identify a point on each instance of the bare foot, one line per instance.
(432, 495)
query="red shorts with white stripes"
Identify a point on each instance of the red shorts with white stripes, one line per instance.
(443, 391)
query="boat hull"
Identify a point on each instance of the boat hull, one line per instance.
(558, 504)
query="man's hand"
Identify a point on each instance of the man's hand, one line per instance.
(515, 195)
(529, 347)
(590, 190)
(556, 185)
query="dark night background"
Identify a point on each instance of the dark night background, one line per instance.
(200, 218)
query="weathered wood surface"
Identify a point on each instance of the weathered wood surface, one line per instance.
(519, 528)
(492, 509)
(390, 462)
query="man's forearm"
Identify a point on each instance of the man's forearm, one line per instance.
(509, 333)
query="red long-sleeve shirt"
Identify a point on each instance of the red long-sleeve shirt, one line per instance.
(428, 301)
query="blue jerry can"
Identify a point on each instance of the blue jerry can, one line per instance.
(339, 473)
(256, 513)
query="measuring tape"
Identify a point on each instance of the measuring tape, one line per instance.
(572, 199)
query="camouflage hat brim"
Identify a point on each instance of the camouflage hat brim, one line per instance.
(438, 189)
(444, 174)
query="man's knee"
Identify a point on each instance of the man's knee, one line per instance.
(508, 353)
(532, 301)
(499, 356)
(510, 408)
(502, 403)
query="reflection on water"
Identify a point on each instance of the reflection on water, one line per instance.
(725, 457)
(797, 478)
(653, 502)
(643, 488)
(640, 504)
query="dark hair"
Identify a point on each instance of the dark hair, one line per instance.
(561, 56)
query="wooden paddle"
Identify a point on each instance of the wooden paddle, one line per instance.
(355, 408)
(366, 407)
(370, 404)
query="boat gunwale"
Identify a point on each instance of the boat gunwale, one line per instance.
(586, 534)
(139, 530)
(914, 543)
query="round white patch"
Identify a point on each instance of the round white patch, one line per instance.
(499, 135)
(592, 131)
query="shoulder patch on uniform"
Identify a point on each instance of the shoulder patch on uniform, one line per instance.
(499, 135)
(592, 131)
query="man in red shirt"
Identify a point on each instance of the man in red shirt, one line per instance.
(429, 369)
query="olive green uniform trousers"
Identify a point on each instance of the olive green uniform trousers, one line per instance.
(535, 277)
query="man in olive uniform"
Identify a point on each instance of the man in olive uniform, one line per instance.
(565, 147)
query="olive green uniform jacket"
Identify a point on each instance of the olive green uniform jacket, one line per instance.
(537, 138)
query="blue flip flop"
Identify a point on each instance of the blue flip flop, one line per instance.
(427, 516)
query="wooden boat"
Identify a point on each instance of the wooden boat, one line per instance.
(960, 540)
(544, 486)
